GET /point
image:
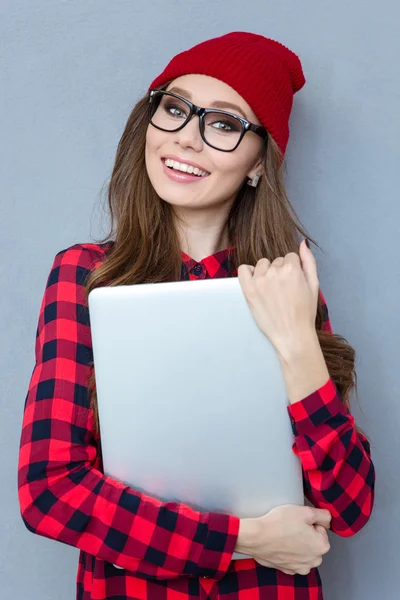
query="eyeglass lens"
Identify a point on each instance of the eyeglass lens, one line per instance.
(220, 130)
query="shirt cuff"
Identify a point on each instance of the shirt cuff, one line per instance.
(223, 531)
(316, 408)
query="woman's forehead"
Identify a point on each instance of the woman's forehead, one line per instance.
(210, 92)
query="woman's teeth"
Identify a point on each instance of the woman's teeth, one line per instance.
(173, 164)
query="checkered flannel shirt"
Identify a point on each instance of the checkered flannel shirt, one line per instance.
(133, 546)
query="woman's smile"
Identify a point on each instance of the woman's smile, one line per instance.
(176, 174)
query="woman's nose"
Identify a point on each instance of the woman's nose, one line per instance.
(190, 136)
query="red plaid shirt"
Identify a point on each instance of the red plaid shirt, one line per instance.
(164, 551)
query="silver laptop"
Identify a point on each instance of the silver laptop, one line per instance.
(191, 397)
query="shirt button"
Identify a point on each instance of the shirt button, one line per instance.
(197, 270)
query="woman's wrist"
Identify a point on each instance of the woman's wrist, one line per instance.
(249, 531)
(304, 368)
(301, 343)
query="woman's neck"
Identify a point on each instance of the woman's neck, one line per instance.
(202, 238)
(201, 243)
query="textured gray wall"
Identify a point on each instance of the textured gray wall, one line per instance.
(71, 70)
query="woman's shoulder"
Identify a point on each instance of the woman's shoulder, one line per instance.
(86, 255)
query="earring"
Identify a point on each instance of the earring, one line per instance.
(254, 181)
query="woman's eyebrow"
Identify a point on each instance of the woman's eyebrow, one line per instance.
(217, 104)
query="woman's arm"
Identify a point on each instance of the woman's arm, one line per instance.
(338, 471)
(62, 493)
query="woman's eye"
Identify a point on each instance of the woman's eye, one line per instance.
(175, 111)
(221, 125)
(224, 126)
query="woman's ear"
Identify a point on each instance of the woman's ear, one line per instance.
(256, 170)
(257, 173)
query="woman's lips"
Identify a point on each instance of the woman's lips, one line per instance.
(180, 176)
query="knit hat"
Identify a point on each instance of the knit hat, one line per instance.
(264, 72)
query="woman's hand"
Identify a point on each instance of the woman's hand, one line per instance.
(290, 538)
(283, 297)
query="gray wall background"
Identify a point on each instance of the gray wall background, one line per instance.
(70, 72)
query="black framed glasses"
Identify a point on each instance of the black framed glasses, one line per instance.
(219, 129)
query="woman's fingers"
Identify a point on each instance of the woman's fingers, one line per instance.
(309, 266)
(261, 267)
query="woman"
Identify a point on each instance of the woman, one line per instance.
(183, 210)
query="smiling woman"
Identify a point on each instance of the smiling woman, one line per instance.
(216, 120)
(176, 128)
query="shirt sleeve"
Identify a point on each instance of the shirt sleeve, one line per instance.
(63, 494)
(336, 459)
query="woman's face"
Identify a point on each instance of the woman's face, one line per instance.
(226, 170)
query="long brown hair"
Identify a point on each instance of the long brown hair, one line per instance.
(145, 245)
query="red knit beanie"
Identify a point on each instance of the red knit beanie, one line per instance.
(264, 72)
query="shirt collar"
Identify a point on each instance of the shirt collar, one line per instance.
(220, 264)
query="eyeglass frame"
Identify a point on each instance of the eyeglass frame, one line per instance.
(201, 112)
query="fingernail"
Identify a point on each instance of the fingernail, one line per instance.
(307, 243)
